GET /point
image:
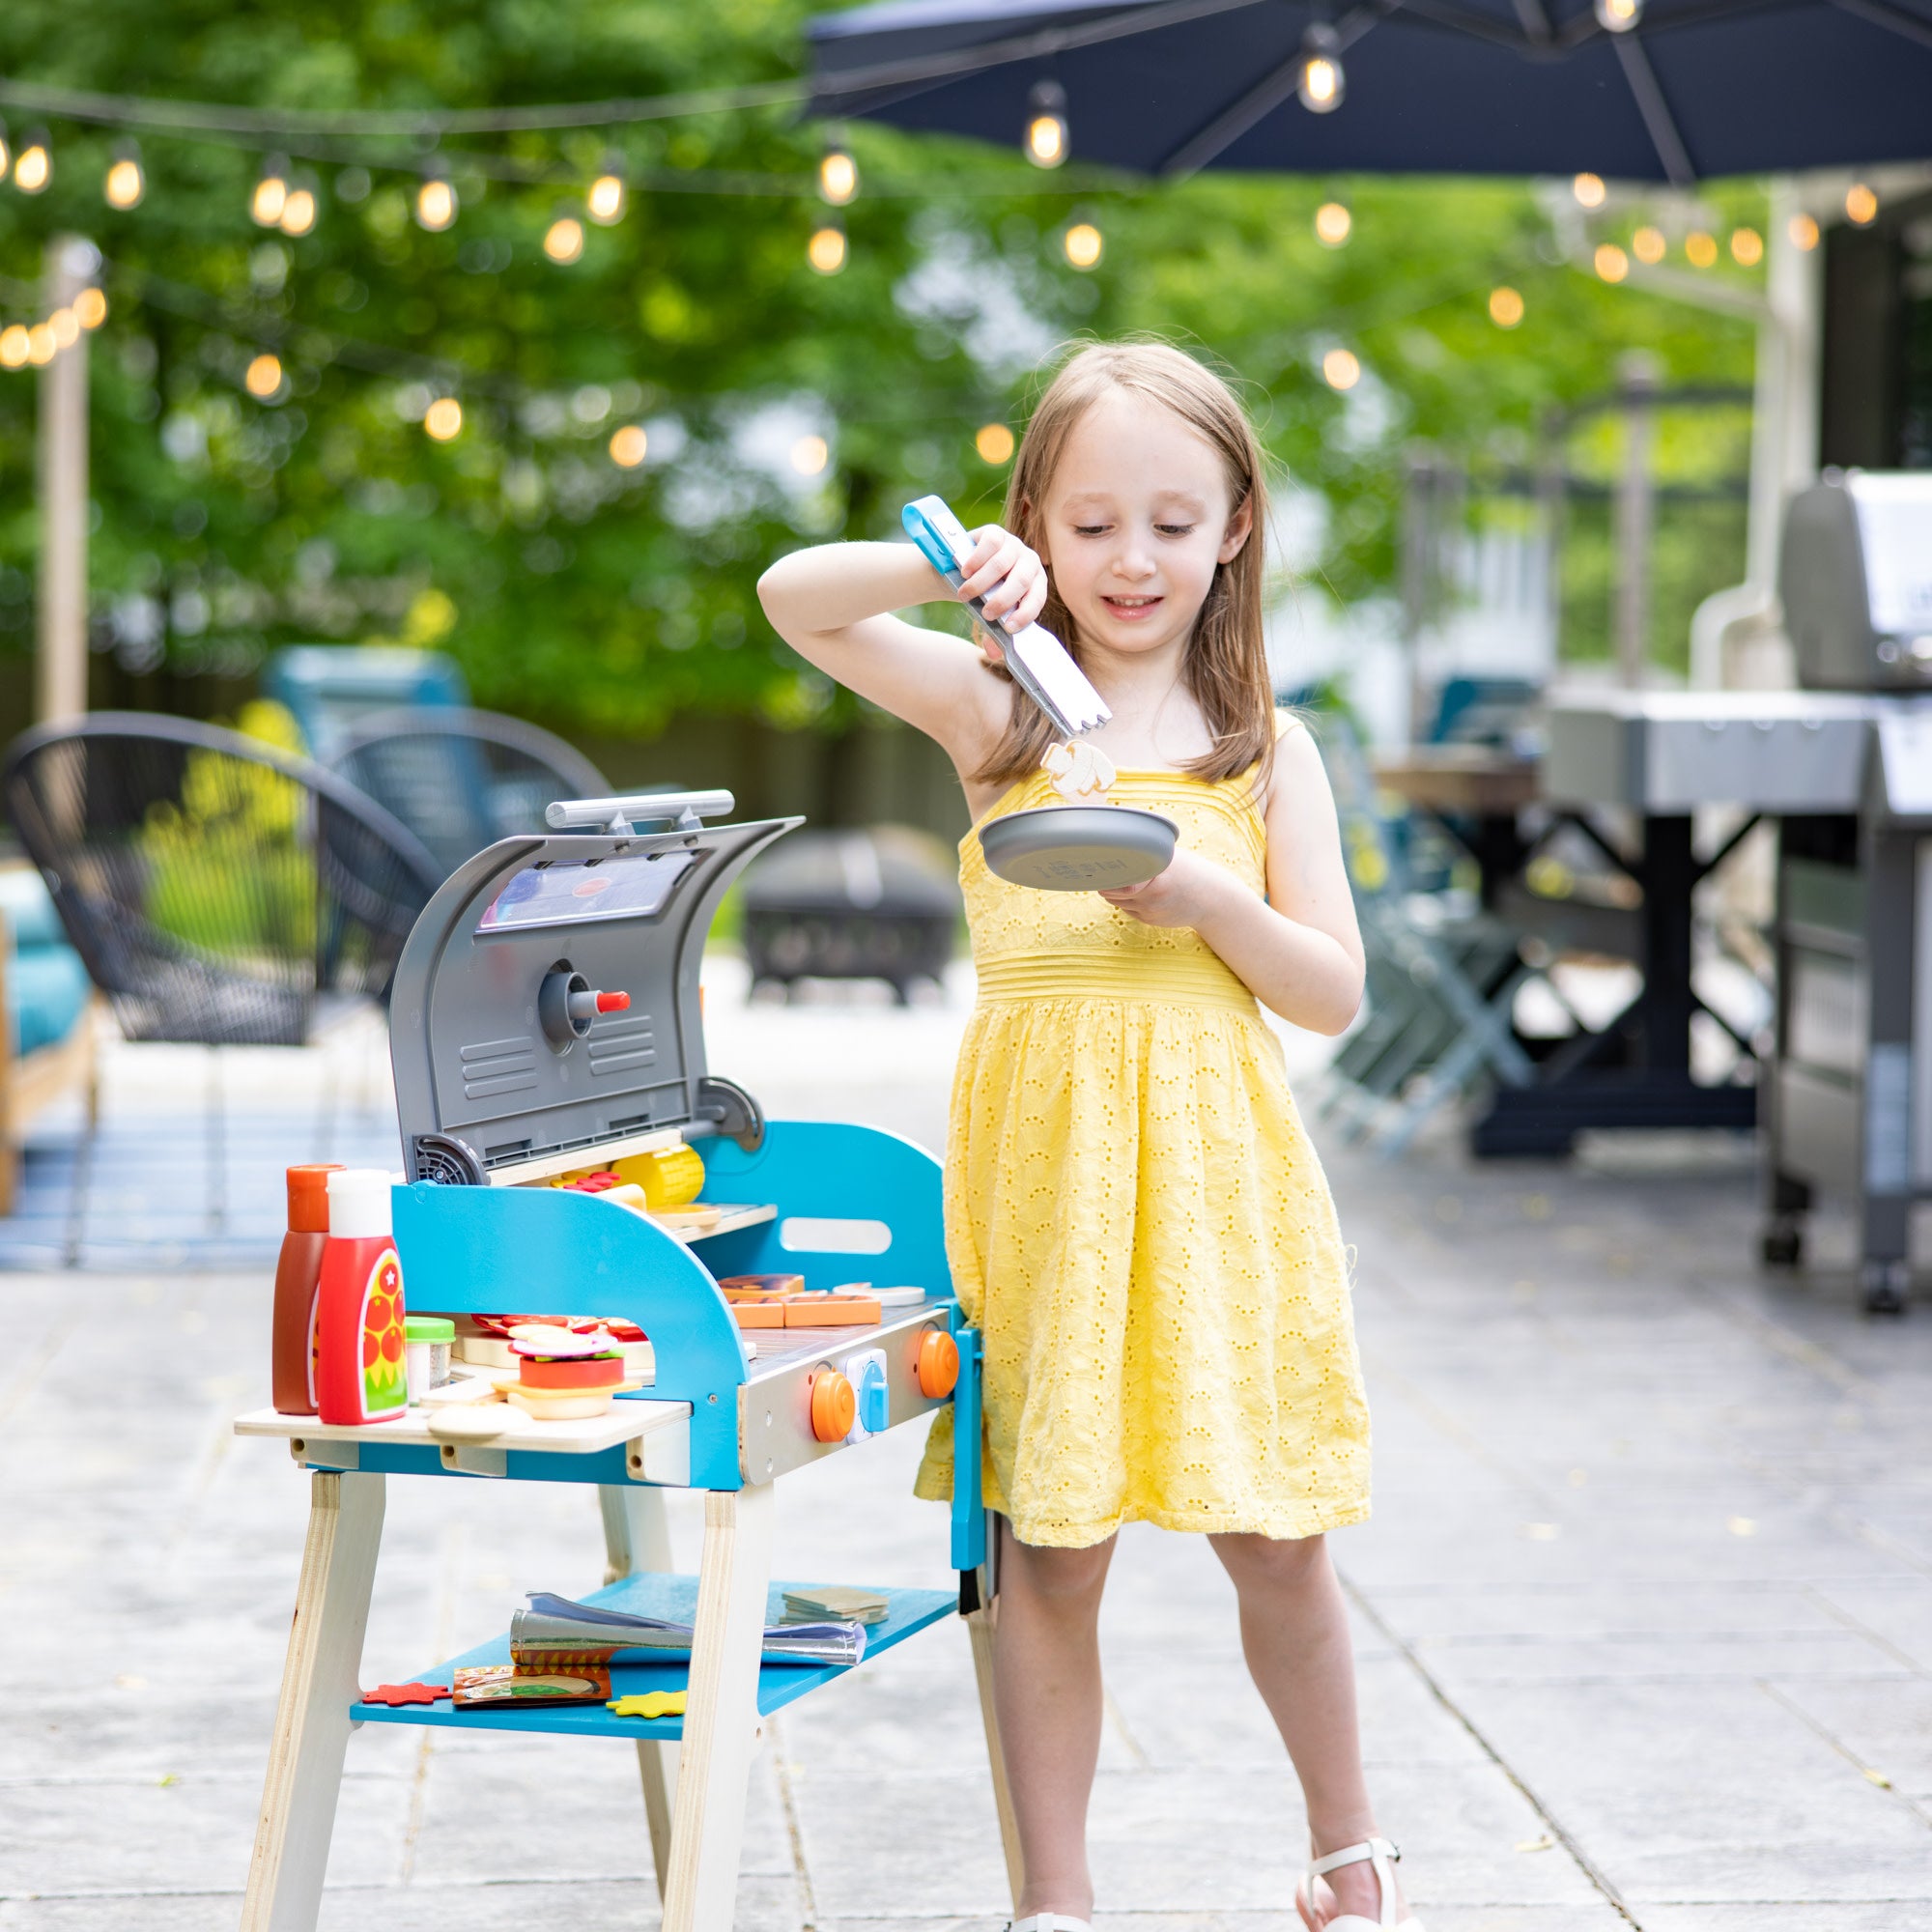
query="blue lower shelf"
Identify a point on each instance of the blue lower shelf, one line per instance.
(657, 1595)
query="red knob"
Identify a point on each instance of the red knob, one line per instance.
(612, 1003)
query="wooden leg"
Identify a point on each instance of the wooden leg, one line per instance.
(979, 1627)
(723, 1714)
(318, 1684)
(637, 1536)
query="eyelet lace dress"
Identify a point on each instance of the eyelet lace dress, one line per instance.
(1137, 1221)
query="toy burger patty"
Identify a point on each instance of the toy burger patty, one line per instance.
(576, 1372)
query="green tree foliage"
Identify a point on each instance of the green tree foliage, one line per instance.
(606, 599)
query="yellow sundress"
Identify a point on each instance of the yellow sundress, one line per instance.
(1137, 1221)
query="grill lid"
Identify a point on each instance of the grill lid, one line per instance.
(546, 1011)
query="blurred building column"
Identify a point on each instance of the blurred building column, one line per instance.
(61, 682)
(1637, 377)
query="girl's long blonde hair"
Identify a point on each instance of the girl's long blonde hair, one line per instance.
(1226, 667)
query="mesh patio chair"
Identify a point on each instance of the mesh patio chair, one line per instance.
(1440, 990)
(461, 780)
(214, 888)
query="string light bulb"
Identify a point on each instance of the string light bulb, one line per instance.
(90, 309)
(837, 175)
(563, 240)
(12, 347)
(297, 208)
(1333, 224)
(271, 193)
(1700, 249)
(1321, 84)
(809, 455)
(443, 421)
(1618, 16)
(1747, 247)
(43, 345)
(1802, 230)
(34, 164)
(437, 203)
(1861, 202)
(1341, 369)
(826, 249)
(994, 444)
(124, 184)
(605, 202)
(1610, 262)
(6, 152)
(1648, 245)
(1589, 190)
(263, 377)
(1083, 245)
(66, 326)
(1047, 138)
(1505, 308)
(628, 446)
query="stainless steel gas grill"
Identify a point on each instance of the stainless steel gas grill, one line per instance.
(1849, 1097)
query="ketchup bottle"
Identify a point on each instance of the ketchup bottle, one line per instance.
(361, 1372)
(296, 1274)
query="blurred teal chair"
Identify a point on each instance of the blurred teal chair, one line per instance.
(329, 689)
(47, 1045)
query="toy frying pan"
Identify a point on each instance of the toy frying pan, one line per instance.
(1078, 848)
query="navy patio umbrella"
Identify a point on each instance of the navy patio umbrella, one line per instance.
(1636, 90)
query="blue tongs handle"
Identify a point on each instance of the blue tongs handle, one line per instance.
(940, 535)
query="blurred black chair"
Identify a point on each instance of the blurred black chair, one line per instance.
(462, 780)
(214, 888)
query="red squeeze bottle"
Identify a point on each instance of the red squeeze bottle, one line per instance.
(360, 1375)
(296, 1274)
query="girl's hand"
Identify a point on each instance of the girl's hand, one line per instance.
(1188, 893)
(1008, 575)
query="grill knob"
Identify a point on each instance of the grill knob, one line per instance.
(937, 1364)
(833, 1406)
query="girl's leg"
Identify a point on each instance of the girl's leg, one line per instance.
(1294, 1634)
(1046, 1687)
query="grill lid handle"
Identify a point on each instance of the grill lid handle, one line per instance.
(617, 815)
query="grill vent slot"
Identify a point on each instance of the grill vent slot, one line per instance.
(621, 1043)
(493, 1066)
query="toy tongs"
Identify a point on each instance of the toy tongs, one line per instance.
(1038, 660)
(1066, 848)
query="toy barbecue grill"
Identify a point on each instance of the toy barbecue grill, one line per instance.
(546, 1023)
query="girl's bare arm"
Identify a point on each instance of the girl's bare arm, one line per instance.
(834, 606)
(1300, 951)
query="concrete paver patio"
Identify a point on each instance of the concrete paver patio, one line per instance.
(1645, 1613)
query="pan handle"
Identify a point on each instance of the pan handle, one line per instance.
(618, 814)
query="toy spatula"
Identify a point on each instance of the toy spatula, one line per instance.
(1038, 660)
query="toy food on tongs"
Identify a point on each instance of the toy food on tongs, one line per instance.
(1087, 842)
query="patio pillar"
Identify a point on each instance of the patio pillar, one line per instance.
(1636, 518)
(61, 681)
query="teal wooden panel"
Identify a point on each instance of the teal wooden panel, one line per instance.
(552, 1251)
(659, 1596)
(831, 1170)
(521, 1466)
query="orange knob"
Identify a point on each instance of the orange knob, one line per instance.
(938, 1363)
(833, 1406)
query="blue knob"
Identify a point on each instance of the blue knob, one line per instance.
(874, 1408)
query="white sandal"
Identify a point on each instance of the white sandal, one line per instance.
(1379, 1855)
(1048, 1921)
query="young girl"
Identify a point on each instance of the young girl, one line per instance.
(1134, 1216)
